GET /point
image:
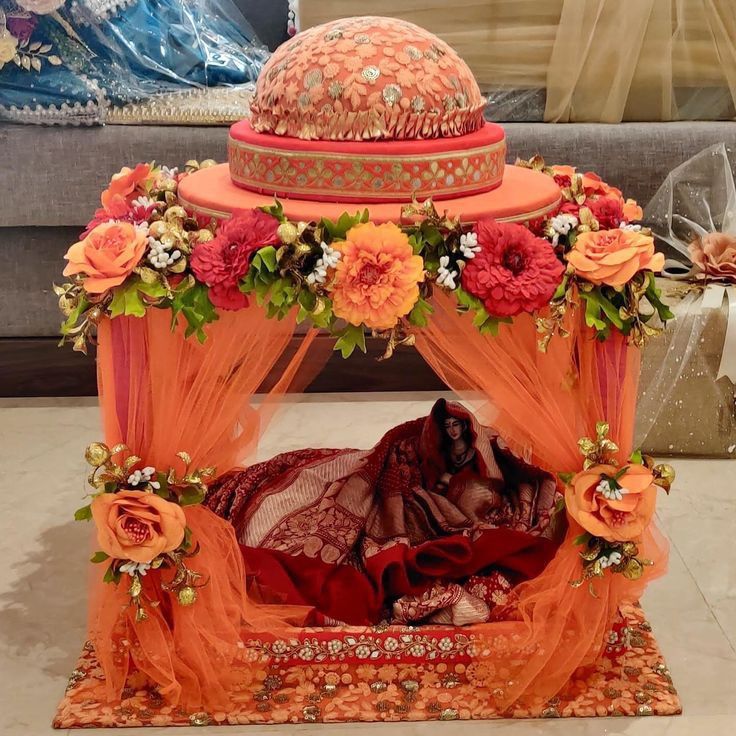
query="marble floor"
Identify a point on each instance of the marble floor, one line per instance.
(44, 553)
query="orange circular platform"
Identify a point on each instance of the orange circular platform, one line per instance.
(523, 195)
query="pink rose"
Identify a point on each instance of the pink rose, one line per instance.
(715, 255)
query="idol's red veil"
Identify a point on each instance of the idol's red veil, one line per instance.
(162, 393)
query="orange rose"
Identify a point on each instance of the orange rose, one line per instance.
(106, 256)
(137, 526)
(377, 278)
(632, 211)
(116, 198)
(613, 256)
(618, 514)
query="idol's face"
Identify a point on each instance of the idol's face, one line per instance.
(454, 428)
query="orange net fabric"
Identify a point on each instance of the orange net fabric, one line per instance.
(162, 393)
(542, 404)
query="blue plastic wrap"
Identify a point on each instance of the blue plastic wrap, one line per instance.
(95, 61)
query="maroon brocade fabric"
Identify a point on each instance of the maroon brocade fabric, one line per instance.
(436, 523)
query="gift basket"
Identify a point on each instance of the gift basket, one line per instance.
(687, 404)
(455, 570)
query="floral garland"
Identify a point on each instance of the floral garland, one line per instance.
(614, 505)
(140, 522)
(143, 249)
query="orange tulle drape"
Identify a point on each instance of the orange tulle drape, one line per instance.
(162, 393)
(542, 404)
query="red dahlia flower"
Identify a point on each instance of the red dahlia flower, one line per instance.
(608, 211)
(223, 261)
(514, 272)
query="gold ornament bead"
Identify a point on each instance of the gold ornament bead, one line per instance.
(157, 229)
(187, 595)
(288, 232)
(94, 315)
(177, 212)
(200, 719)
(97, 454)
(204, 236)
(207, 163)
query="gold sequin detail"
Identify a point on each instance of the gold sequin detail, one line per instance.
(333, 35)
(371, 74)
(312, 78)
(335, 90)
(413, 52)
(391, 94)
(362, 38)
(449, 714)
(417, 103)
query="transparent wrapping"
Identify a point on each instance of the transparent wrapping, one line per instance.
(687, 403)
(126, 61)
(569, 61)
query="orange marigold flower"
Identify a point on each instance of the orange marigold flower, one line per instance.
(377, 278)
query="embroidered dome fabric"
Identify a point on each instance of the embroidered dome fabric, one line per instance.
(367, 78)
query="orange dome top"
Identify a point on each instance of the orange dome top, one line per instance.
(366, 78)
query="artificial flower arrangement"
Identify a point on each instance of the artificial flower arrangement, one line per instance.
(144, 250)
(140, 522)
(614, 505)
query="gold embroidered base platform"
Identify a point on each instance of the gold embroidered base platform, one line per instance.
(635, 682)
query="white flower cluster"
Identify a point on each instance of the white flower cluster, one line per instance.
(141, 568)
(610, 491)
(629, 226)
(143, 202)
(469, 245)
(613, 559)
(160, 256)
(143, 477)
(561, 225)
(329, 259)
(446, 276)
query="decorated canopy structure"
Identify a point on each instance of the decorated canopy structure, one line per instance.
(366, 193)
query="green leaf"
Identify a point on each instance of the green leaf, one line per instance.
(187, 541)
(582, 539)
(654, 297)
(99, 556)
(163, 481)
(566, 478)
(83, 514)
(71, 321)
(593, 317)
(350, 338)
(265, 259)
(194, 304)
(420, 313)
(636, 458)
(191, 495)
(111, 575)
(276, 210)
(338, 230)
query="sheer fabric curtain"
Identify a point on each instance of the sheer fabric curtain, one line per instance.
(542, 404)
(162, 393)
(599, 60)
